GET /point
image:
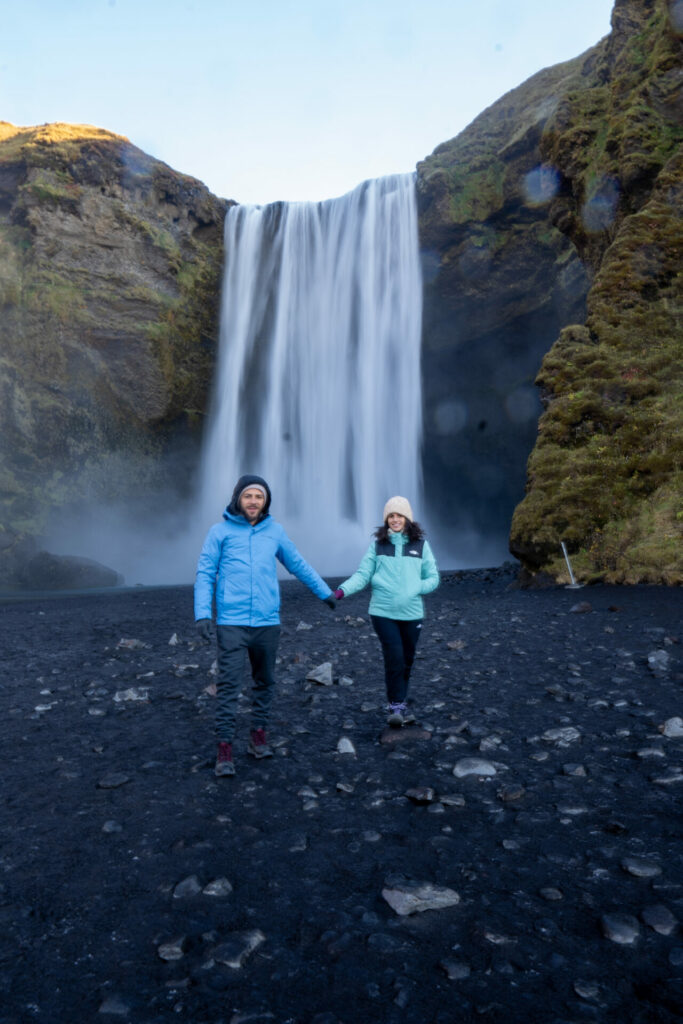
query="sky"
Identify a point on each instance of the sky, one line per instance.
(267, 100)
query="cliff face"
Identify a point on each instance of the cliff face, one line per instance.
(605, 474)
(109, 287)
(557, 212)
(500, 282)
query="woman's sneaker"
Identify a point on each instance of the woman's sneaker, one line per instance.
(258, 746)
(224, 765)
(397, 715)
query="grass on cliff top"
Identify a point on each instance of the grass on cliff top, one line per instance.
(15, 139)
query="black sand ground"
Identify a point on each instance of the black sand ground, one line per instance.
(109, 804)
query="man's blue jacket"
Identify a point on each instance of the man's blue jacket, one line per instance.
(237, 565)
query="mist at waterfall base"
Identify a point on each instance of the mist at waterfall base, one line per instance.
(318, 389)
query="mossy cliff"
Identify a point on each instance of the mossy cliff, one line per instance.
(605, 474)
(109, 284)
(500, 283)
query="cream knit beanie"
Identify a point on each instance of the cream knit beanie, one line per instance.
(400, 505)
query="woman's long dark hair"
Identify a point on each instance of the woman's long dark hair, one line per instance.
(413, 531)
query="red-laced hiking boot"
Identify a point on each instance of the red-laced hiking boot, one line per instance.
(224, 765)
(258, 746)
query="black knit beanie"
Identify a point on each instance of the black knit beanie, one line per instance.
(241, 485)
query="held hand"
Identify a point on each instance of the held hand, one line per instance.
(204, 632)
(339, 594)
(330, 602)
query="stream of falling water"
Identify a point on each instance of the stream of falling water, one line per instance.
(318, 384)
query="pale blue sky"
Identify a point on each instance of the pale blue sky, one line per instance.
(281, 99)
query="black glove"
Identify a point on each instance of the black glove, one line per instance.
(203, 627)
(330, 602)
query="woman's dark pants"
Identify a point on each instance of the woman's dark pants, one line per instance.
(398, 640)
(260, 643)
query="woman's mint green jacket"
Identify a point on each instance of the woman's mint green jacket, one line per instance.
(398, 578)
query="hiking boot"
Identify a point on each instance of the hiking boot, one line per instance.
(408, 717)
(224, 765)
(258, 746)
(397, 715)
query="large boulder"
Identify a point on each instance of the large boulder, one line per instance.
(109, 287)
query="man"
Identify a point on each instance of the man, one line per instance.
(237, 568)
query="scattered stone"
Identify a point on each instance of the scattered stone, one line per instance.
(113, 780)
(620, 928)
(581, 608)
(391, 737)
(346, 681)
(576, 770)
(676, 957)
(132, 645)
(497, 939)
(420, 795)
(455, 970)
(452, 799)
(563, 736)
(456, 645)
(344, 787)
(173, 950)
(303, 626)
(672, 728)
(473, 766)
(112, 826)
(416, 897)
(321, 674)
(237, 947)
(114, 1006)
(188, 887)
(218, 888)
(572, 810)
(135, 693)
(670, 778)
(659, 663)
(551, 894)
(587, 989)
(345, 746)
(660, 919)
(510, 793)
(649, 753)
(641, 868)
(173, 641)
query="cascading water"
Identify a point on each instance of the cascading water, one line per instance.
(318, 378)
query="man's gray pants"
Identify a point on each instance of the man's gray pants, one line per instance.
(260, 643)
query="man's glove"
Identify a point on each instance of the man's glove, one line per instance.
(339, 594)
(330, 602)
(203, 627)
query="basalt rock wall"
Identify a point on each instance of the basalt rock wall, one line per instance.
(550, 233)
(109, 288)
(606, 472)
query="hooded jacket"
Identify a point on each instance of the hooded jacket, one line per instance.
(399, 573)
(237, 566)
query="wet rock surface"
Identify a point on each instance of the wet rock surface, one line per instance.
(135, 886)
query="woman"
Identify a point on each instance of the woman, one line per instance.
(400, 568)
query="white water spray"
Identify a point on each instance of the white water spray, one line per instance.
(318, 383)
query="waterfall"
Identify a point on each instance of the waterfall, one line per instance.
(318, 376)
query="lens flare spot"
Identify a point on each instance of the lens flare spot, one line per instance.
(450, 416)
(541, 184)
(522, 405)
(599, 210)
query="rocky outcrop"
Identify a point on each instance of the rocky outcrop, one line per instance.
(109, 287)
(500, 282)
(605, 475)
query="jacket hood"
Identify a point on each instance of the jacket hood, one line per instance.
(241, 485)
